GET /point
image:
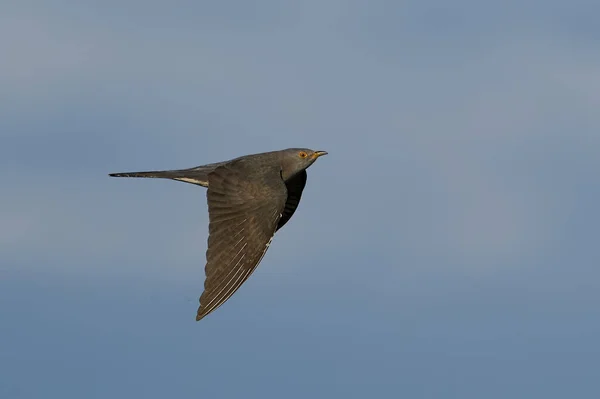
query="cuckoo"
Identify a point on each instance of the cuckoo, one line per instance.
(249, 199)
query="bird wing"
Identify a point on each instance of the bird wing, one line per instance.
(294, 185)
(243, 215)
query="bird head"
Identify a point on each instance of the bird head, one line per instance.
(294, 160)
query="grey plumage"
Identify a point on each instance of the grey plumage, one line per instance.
(249, 199)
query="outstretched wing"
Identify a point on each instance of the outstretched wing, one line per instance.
(243, 213)
(295, 185)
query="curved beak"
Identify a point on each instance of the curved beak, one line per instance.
(317, 154)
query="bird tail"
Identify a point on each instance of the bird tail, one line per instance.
(197, 176)
(160, 174)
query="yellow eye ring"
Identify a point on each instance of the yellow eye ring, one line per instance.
(302, 154)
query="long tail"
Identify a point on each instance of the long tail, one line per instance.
(197, 176)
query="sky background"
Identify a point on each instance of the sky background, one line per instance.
(447, 247)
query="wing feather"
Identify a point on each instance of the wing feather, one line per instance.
(294, 186)
(244, 213)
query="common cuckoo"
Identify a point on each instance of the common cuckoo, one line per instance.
(249, 199)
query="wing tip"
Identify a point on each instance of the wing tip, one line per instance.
(202, 313)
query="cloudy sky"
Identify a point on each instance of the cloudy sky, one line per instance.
(446, 248)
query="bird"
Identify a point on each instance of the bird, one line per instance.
(249, 199)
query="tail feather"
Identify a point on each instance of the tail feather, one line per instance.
(198, 176)
(162, 174)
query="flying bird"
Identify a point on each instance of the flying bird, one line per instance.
(249, 199)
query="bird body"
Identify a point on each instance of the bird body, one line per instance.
(249, 199)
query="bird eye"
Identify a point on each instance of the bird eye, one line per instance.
(302, 154)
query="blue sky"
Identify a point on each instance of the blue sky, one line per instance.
(446, 248)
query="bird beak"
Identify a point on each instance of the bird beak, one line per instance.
(317, 154)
